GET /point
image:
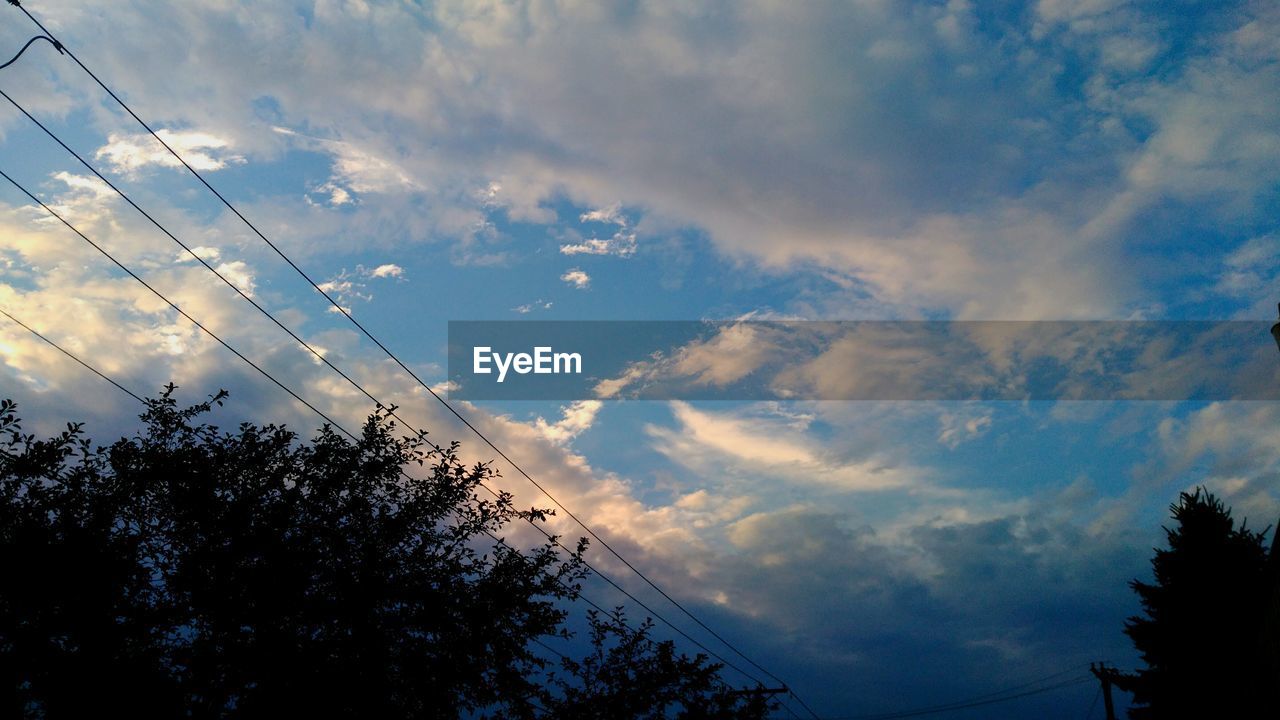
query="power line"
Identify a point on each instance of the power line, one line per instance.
(402, 365)
(1027, 684)
(978, 701)
(60, 349)
(135, 396)
(322, 358)
(334, 423)
(31, 42)
(1093, 705)
(315, 352)
(169, 302)
(575, 593)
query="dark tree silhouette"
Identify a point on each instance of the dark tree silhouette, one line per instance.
(1202, 633)
(191, 572)
(629, 675)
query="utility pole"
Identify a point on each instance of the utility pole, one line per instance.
(1106, 675)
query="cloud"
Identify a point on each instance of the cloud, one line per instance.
(338, 195)
(989, 167)
(1231, 448)
(958, 428)
(736, 443)
(577, 278)
(358, 169)
(343, 288)
(365, 172)
(209, 254)
(1247, 271)
(350, 285)
(385, 271)
(621, 244)
(131, 153)
(86, 184)
(239, 274)
(527, 308)
(929, 159)
(955, 361)
(733, 352)
(611, 215)
(576, 419)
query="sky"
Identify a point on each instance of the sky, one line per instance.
(559, 160)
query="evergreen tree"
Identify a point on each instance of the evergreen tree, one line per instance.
(1204, 614)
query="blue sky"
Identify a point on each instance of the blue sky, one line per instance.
(1095, 160)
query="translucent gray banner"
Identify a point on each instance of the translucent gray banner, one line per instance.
(862, 360)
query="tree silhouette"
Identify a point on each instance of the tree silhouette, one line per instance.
(629, 675)
(1202, 633)
(193, 572)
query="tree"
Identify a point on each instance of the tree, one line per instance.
(189, 571)
(1201, 635)
(629, 675)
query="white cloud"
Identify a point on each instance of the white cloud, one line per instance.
(86, 184)
(239, 274)
(731, 354)
(611, 215)
(206, 253)
(577, 278)
(527, 308)
(622, 244)
(338, 195)
(388, 270)
(768, 447)
(349, 285)
(953, 196)
(365, 172)
(576, 418)
(1236, 447)
(203, 151)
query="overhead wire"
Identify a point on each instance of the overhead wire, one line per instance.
(139, 398)
(314, 352)
(60, 349)
(1027, 684)
(369, 335)
(167, 301)
(553, 539)
(391, 409)
(31, 42)
(1093, 705)
(976, 701)
(575, 592)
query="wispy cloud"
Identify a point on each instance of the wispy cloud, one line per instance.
(349, 286)
(767, 447)
(527, 308)
(621, 244)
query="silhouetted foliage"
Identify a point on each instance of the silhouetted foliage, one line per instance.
(191, 572)
(1201, 636)
(629, 675)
